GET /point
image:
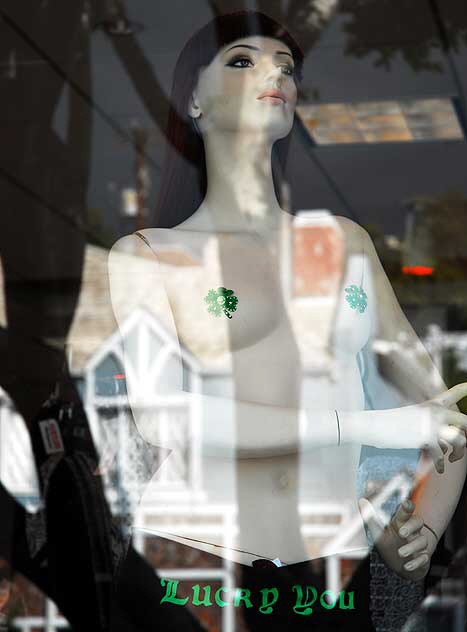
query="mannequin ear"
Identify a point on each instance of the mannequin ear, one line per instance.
(194, 109)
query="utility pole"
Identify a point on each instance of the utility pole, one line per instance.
(140, 137)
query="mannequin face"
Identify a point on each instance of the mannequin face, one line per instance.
(228, 98)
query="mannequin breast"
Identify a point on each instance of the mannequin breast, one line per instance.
(249, 268)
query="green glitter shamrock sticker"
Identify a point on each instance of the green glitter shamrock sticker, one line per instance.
(356, 298)
(221, 300)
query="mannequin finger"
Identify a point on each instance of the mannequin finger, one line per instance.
(418, 562)
(454, 418)
(414, 523)
(453, 395)
(403, 513)
(417, 544)
(372, 488)
(458, 443)
(435, 453)
(371, 519)
(412, 536)
(444, 445)
(456, 438)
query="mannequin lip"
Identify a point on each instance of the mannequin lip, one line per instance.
(273, 93)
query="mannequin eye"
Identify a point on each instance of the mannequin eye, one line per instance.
(240, 60)
(288, 69)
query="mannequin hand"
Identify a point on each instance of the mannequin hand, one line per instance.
(449, 426)
(409, 554)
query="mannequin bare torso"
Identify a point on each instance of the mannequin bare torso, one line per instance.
(265, 361)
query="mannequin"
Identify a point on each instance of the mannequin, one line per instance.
(264, 430)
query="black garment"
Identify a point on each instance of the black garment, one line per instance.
(87, 559)
(257, 607)
(320, 619)
(135, 602)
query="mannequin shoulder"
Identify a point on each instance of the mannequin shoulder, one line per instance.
(139, 242)
(357, 239)
(351, 229)
(167, 250)
(136, 278)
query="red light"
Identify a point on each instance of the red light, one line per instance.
(418, 270)
(119, 376)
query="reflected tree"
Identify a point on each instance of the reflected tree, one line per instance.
(415, 39)
(381, 28)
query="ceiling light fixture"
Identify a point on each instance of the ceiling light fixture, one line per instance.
(404, 120)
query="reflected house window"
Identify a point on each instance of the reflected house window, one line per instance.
(109, 377)
(405, 120)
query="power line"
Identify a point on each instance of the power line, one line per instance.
(460, 103)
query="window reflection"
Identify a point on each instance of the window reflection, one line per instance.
(110, 377)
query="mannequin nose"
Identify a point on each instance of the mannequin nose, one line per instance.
(275, 75)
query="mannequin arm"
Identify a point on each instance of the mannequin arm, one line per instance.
(409, 367)
(264, 430)
(261, 430)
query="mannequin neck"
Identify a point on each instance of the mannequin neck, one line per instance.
(240, 193)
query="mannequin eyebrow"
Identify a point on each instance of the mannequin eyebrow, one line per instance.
(278, 52)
